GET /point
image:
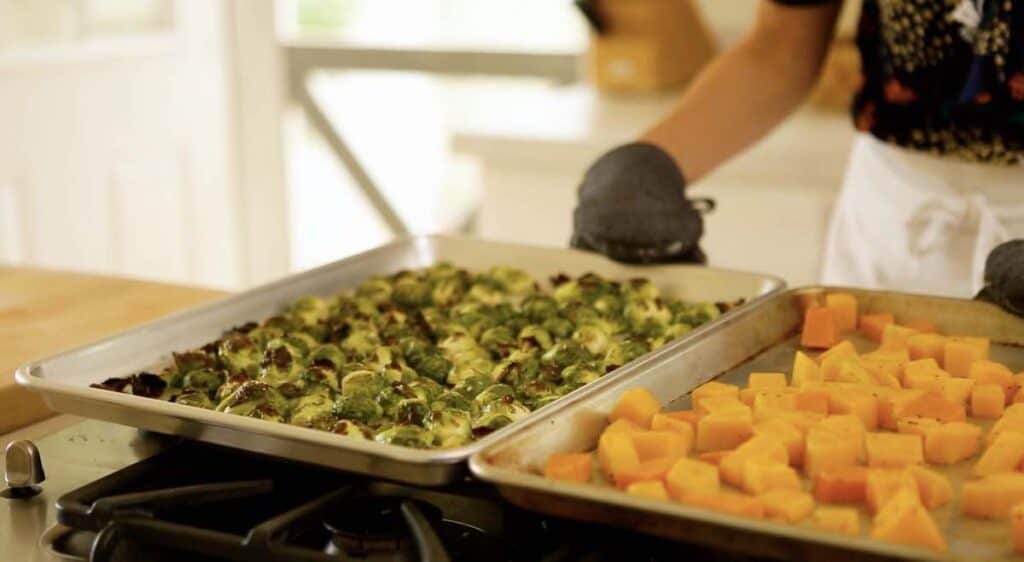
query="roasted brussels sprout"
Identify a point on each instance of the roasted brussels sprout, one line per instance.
(434, 357)
(256, 400)
(406, 435)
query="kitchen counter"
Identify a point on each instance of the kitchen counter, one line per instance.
(43, 312)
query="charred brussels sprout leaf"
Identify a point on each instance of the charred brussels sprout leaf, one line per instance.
(256, 400)
(363, 409)
(407, 436)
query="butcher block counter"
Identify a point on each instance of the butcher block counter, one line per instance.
(43, 312)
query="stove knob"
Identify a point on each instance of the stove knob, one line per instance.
(24, 470)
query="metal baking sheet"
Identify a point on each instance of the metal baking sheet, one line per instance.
(761, 338)
(64, 379)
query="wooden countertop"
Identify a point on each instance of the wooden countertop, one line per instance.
(44, 312)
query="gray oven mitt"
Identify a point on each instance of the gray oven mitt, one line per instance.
(632, 207)
(1004, 277)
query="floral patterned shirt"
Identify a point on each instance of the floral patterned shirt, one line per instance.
(943, 76)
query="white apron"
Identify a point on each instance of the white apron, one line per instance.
(914, 222)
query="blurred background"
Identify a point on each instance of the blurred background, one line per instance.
(229, 142)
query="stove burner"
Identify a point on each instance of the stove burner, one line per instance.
(366, 525)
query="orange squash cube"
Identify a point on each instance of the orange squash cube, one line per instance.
(842, 520)
(1018, 382)
(849, 427)
(928, 365)
(761, 475)
(895, 337)
(955, 389)
(886, 396)
(714, 404)
(985, 372)
(730, 503)
(1012, 420)
(1003, 455)
(637, 405)
(927, 404)
(933, 488)
(959, 353)
(872, 325)
(1017, 526)
(988, 401)
(724, 430)
(992, 497)
(623, 425)
(812, 401)
(652, 489)
(862, 405)
(882, 485)
(916, 426)
(616, 453)
(661, 422)
(900, 355)
(893, 450)
(688, 475)
(790, 506)
(922, 380)
(845, 484)
(805, 370)
(852, 371)
(844, 311)
(787, 434)
(569, 467)
(887, 372)
(712, 457)
(712, 388)
(650, 469)
(784, 399)
(828, 450)
(820, 330)
(766, 380)
(832, 360)
(951, 443)
(904, 520)
(758, 447)
(689, 416)
(651, 444)
(927, 346)
(920, 325)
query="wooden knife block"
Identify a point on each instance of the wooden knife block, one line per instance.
(648, 45)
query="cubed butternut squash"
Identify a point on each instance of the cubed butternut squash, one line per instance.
(712, 388)
(842, 520)
(987, 400)
(846, 484)
(933, 488)
(569, 467)
(661, 422)
(714, 404)
(805, 370)
(758, 447)
(688, 475)
(956, 389)
(882, 484)
(905, 520)
(844, 311)
(1003, 455)
(712, 457)
(650, 444)
(852, 371)
(960, 352)
(766, 380)
(790, 506)
(827, 450)
(724, 430)
(921, 325)
(927, 404)
(787, 434)
(623, 425)
(919, 366)
(812, 401)
(689, 416)
(832, 360)
(951, 443)
(1012, 420)
(637, 405)
(927, 346)
(820, 330)
(895, 337)
(650, 469)
(849, 427)
(872, 325)
(616, 453)
(783, 399)
(761, 475)
(916, 426)
(886, 372)
(1017, 526)
(730, 503)
(985, 372)
(993, 496)
(801, 420)
(651, 489)
(862, 405)
(893, 450)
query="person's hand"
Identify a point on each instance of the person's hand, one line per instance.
(1004, 277)
(632, 207)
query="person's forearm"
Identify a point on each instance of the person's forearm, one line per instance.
(741, 95)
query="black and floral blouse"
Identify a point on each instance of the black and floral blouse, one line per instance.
(943, 76)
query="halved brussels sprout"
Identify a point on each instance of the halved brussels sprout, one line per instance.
(411, 292)
(454, 400)
(519, 367)
(281, 363)
(256, 400)
(204, 380)
(539, 307)
(641, 289)
(581, 373)
(412, 411)
(593, 337)
(623, 351)
(512, 280)
(565, 353)
(310, 310)
(558, 327)
(648, 317)
(314, 409)
(196, 398)
(363, 383)
(448, 291)
(240, 354)
(353, 428)
(406, 436)
(451, 428)
(364, 409)
(497, 338)
(377, 290)
(535, 335)
(496, 392)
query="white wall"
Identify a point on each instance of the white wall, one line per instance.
(121, 158)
